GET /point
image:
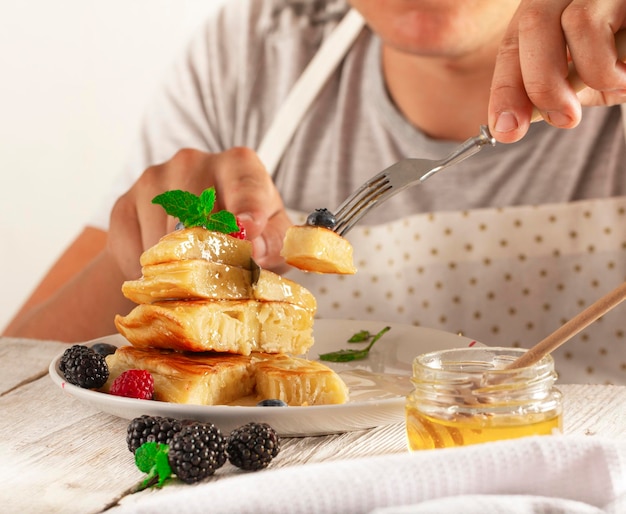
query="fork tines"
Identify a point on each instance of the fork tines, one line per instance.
(361, 202)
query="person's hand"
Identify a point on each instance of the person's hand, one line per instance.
(532, 64)
(243, 187)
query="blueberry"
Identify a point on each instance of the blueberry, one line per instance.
(104, 349)
(321, 218)
(272, 402)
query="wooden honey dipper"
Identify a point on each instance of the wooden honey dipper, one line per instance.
(571, 328)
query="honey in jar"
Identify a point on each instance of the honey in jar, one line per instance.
(466, 396)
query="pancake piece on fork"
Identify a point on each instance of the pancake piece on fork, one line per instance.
(318, 250)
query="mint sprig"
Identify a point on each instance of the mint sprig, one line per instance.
(197, 211)
(151, 458)
(360, 336)
(351, 354)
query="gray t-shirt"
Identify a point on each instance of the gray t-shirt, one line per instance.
(240, 66)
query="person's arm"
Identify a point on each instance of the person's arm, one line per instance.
(532, 65)
(83, 249)
(76, 301)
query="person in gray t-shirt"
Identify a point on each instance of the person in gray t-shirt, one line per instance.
(419, 78)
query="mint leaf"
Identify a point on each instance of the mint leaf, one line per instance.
(196, 211)
(344, 355)
(207, 200)
(222, 221)
(352, 355)
(162, 465)
(145, 456)
(151, 458)
(180, 204)
(361, 336)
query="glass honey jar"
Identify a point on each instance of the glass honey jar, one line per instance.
(466, 396)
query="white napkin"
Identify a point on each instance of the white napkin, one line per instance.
(549, 474)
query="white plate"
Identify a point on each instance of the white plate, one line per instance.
(378, 385)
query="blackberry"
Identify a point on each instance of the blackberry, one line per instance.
(155, 429)
(83, 367)
(321, 218)
(197, 451)
(253, 446)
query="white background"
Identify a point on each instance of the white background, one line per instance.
(74, 76)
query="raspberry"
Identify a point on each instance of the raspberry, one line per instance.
(241, 233)
(151, 429)
(253, 446)
(134, 383)
(83, 367)
(197, 451)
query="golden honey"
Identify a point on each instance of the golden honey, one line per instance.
(465, 396)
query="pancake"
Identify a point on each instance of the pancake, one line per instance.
(202, 279)
(201, 379)
(297, 381)
(199, 243)
(218, 379)
(317, 249)
(234, 326)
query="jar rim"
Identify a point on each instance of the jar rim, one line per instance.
(477, 360)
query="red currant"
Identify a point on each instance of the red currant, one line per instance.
(241, 233)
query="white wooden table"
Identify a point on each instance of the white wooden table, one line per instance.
(58, 455)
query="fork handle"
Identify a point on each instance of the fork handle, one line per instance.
(574, 78)
(463, 151)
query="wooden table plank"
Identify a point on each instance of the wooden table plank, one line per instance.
(24, 360)
(594, 410)
(61, 456)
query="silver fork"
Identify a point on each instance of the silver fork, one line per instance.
(399, 176)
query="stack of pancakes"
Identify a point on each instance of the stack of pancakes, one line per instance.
(212, 328)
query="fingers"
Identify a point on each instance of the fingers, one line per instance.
(590, 30)
(509, 105)
(246, 189)
(544, 64)
(267, 246)
(243, 187)
(531, 69)
(136, 224)
(532, 65)
(124, 241)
